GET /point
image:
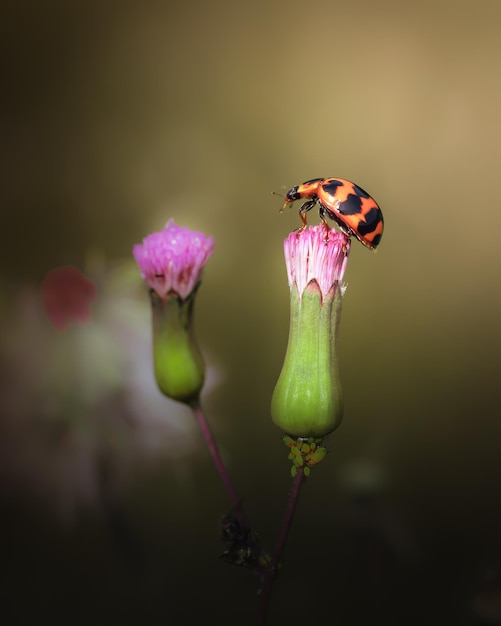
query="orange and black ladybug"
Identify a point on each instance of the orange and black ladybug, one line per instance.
(355, 212)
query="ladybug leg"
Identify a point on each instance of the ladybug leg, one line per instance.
(307, 206)
(321, 212)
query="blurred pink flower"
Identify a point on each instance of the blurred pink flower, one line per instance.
(67, 296)
(172, 260)
(71, 402)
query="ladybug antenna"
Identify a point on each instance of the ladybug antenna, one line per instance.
(274, 193)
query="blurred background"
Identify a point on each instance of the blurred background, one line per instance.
(117, 116)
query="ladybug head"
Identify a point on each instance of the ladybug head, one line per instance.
(293, 194)
(290, 197)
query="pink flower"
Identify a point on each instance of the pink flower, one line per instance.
(316, 254)
(67, 296)
(172, 260)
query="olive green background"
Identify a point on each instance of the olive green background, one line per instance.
(117, 116)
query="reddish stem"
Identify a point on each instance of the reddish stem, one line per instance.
(269, 577)
(219, 463)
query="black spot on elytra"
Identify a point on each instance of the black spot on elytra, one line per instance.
(375, 241)
(351, 206)
(371, 220)
(332, 186)
(360, 192)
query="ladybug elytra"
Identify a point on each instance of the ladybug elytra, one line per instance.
(355, 212)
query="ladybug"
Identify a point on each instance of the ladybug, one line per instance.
(355, 212)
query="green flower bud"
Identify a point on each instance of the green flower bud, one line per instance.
(307, 400)
(178, 362)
